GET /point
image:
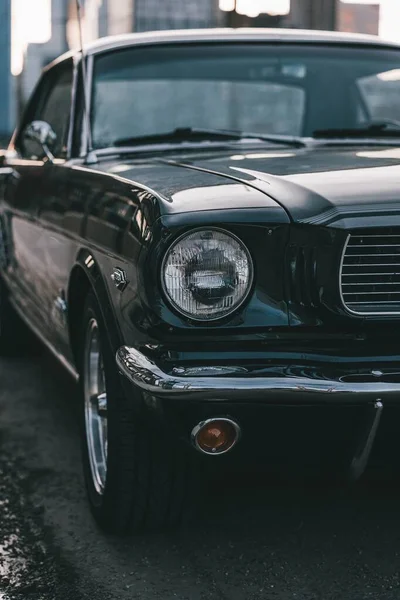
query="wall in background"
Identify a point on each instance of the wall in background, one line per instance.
(6, 107)
(39, 55)
(313, 14)
(359, 18)
(175, 14)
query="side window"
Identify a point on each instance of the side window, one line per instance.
(51, 103)
(57, 108)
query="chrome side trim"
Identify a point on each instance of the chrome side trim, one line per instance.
(65, 363)
(345, 306)
(144, 373)
(196, 430)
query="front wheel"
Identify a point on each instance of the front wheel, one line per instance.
(135, 480)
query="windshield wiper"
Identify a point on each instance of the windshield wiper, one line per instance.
(376, 129)
(190, 134)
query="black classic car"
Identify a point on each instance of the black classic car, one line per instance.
(204, 228)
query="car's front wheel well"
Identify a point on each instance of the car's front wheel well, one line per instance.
(79, 287)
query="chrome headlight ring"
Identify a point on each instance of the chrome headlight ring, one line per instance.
(207, 274)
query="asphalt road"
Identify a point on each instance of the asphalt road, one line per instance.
(256, 542)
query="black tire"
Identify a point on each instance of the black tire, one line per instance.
(15, 337)
(147, 478)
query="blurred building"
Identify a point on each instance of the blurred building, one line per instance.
(359, 18)
(175, 14)
(120, 16)
(39, 55)
(313, 14)
(6, 107)
(109, 17)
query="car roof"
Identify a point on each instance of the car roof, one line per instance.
(229, 35)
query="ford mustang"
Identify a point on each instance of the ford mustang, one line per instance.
(204, 228)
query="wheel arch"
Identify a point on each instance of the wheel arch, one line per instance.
(86, 277)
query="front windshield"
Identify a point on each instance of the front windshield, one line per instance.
(289, 89)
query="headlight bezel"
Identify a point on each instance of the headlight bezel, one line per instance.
(188, 316)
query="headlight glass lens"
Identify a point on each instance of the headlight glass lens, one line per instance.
(207, 274)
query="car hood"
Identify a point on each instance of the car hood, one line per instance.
(322, 185)
(316, 185)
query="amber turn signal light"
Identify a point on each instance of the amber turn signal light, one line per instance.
(215, 436)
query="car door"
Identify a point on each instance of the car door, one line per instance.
(30, 188)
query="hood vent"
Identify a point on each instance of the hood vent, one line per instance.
(370, 272)
(303, 271)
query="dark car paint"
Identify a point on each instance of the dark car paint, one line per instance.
(291, 207)
(309, 194)
(121, 222)
(319, 185)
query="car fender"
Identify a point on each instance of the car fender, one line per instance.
(87, 265)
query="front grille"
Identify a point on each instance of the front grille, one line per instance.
(370, 272)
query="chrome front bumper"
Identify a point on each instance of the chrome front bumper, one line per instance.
(235, 392)
(145, 374)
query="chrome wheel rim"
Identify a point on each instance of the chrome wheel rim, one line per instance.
(95, 407)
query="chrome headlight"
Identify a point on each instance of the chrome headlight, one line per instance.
(207, 274)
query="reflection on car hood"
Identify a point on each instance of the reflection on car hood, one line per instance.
(322, 185)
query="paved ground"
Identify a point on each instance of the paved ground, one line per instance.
(260, 543)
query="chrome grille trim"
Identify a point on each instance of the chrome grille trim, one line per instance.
(387, 302)
(366, 273)
(369, 299)
(374, 283)
(368, 294)
(361, 255)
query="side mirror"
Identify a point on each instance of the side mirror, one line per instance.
(39, 137)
